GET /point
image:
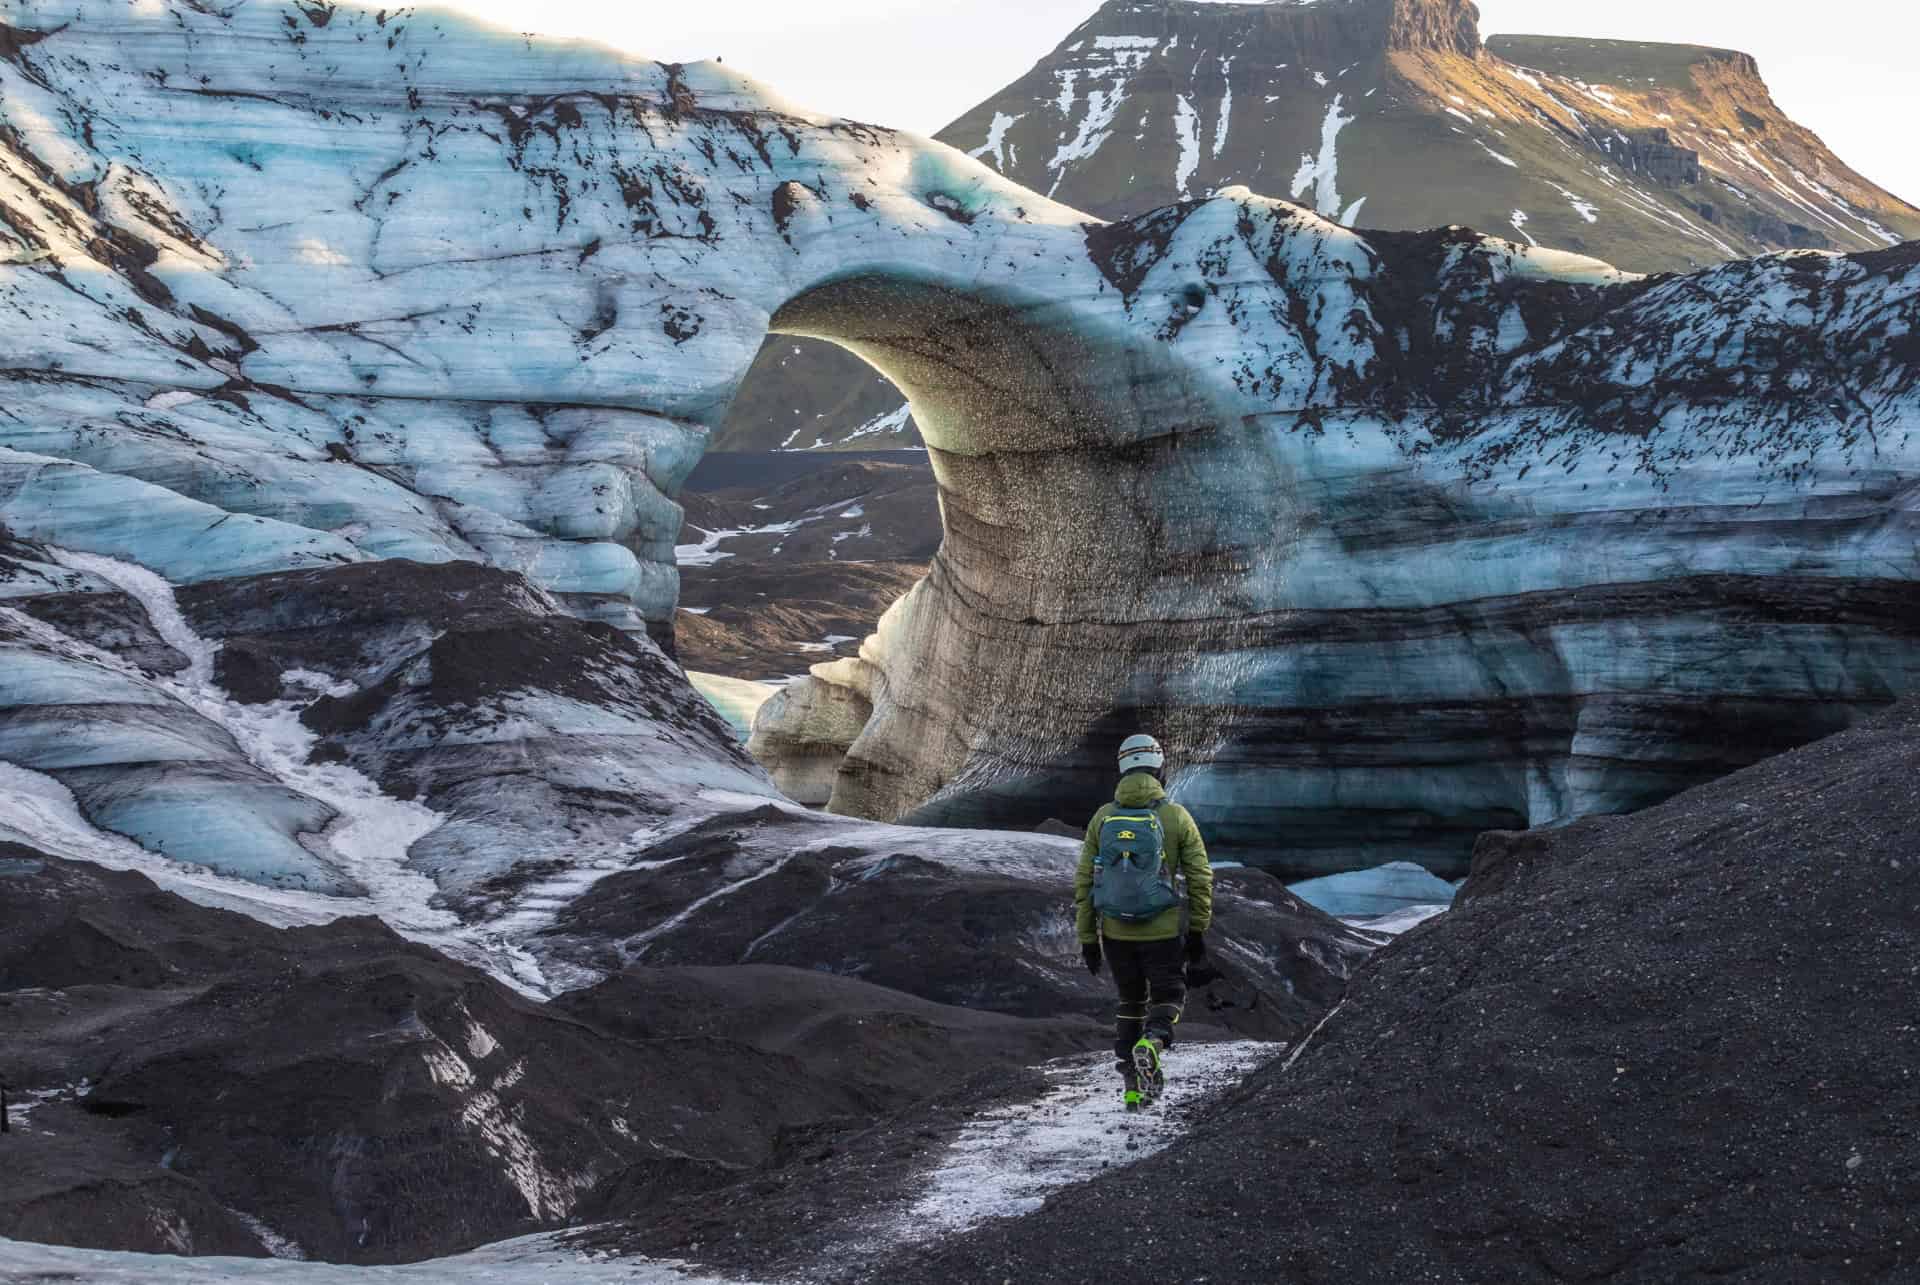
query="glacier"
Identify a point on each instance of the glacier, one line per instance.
(1393, 537)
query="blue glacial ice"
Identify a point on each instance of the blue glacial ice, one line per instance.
(1370, 894)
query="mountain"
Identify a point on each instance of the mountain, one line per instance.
(1390, 114)
(1386, 114)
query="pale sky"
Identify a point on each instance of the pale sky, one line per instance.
(1844, 68)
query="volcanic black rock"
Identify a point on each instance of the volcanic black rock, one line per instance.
(1673, 1046)
(197, 1082)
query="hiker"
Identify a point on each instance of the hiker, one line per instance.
(1140, 849)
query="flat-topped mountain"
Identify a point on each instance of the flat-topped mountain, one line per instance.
(1386, 114)
(1394, 116)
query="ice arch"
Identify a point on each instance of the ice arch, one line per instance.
(1111, 523)
(1396, 537)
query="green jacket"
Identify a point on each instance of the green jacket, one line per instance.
(1185, 853)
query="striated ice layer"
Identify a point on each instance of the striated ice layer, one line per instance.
(147, 754)
(351, 741)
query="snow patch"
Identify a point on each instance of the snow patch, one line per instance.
(1186, 128)
(320, 254)
(1507, 161)
(893, 421)
(273, 1242)
(480, 1042)
(1523, 76)
(1106, 91)
(18, 1108)
(708, 551)
(1584, 208)
(996, 140)
(1226, 109)
(1008, 1160)
(172, 399)
(636, 946)
(1322, 173)
(1319, 1026)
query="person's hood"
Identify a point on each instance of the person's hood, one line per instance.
(1139, 790)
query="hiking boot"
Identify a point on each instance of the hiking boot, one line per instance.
(1146, 1066)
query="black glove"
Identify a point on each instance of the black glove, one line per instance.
(1196, 948)
(1090, 952)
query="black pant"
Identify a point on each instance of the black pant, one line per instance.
(1152, 980)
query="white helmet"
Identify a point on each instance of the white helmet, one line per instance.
(1141, 752)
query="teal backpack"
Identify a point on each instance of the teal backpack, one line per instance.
(1130, 881)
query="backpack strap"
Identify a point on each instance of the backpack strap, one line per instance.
(1174, 868)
